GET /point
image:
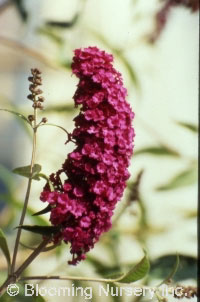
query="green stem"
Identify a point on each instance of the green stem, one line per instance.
(66, 278)
(54, 125)
(15, 276)
(26, 196)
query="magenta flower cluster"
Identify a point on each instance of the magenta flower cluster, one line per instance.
(97, 169)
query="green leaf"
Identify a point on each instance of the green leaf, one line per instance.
(173, 271)
(137, 272)
(189, 126)
(157, 151)
(44, 211)
(162, 266)
(42, 175)
(18, 114)
(183, 179)
(4, 248)
(42, 230)
(25, 171)
(63, 24)
(46, 249)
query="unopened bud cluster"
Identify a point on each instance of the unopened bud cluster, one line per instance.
(36, 92)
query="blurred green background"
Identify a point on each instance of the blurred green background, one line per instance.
(159, 209)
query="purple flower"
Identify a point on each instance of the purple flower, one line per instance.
(96, 171)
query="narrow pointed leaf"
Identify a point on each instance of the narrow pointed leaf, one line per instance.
(63, 24)
(44, 211)
(46, 249)
(42, 175)
(25, 171)
(183, 179)
(137, 272)
(43, 230)
(157, 151)
(17, 114)
(189, 126)
(4, 248)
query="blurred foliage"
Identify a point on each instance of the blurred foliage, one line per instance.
(21, 9)
(185, 178)
(63, 24)
(189, 126)
(161, 267)
(157, 151)
(169, 277)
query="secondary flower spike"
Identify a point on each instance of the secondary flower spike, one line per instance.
(96, 171)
